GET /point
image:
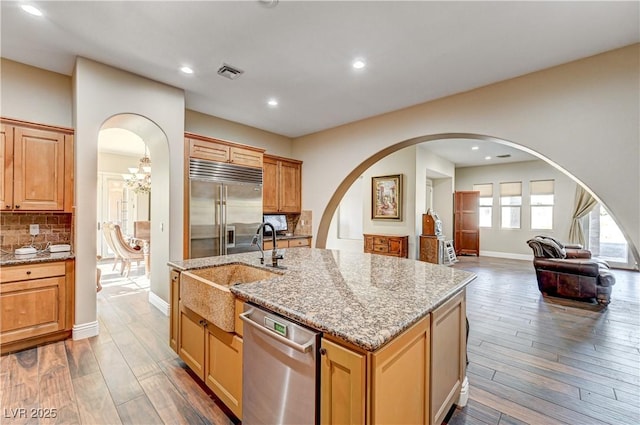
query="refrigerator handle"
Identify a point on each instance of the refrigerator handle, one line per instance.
(223, 239)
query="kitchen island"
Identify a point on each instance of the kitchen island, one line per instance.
(393, 346)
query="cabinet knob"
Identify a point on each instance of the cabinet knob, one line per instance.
(203, 322)
(17, 206)
(323, 351)
(28, 271)
(8, 207)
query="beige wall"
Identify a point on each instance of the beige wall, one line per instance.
(505, 242)
(207, 125)
(100, 93)
(584, 116)
(33, 94)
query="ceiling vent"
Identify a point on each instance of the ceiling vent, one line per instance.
(230, 72)
(506, 155)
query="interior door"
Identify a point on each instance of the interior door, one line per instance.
(466, 223)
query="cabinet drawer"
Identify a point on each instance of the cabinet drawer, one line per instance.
(299, 242)
(279, 244)
(31, 271)
(381, 248)
(380, 241)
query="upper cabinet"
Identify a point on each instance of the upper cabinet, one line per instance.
(220, 151)
(38, 168)
(282, 185)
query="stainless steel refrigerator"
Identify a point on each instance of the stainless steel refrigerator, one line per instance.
(225, 207)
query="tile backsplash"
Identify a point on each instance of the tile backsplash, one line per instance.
(14, 229)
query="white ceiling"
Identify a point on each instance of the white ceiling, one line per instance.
(300, 52)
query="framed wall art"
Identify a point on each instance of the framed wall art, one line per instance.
(386, 197)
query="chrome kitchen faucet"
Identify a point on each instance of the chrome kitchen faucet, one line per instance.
(276, 254)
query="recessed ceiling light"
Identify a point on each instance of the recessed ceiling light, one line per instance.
(272, 102)
(31, 10)
(487, 157)
(358, 64)
(475, 148)
(186, 70)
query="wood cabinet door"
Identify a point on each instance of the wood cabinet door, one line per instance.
(245, 157)
(448, 355)
(400, 378)
(270, 202)
(208, 150)
(342, 386)
(290, 187)
(31, 308)
(38, 171)
(224, 367)
(174, 317)
(467, 223)
(6, 178)
(191, 340)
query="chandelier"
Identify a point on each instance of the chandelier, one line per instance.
(139, 178)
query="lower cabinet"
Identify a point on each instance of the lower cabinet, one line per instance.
(415, 378)
(36, 304)
(343, 384)
(223, 369)
(448, 335)
(214, 355)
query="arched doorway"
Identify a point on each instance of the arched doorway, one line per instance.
(330, 210)
(151, 138)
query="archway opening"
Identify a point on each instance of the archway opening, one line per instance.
(327, 226)
(143, 214)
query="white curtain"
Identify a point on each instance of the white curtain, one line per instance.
(584, 203)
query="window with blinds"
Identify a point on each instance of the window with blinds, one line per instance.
(485, 201)
(542, 201)
(510, 205)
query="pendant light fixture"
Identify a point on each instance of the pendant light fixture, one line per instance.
(139, 178)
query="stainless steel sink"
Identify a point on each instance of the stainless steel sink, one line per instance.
(206, 291)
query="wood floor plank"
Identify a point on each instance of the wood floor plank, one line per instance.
(138, 411)
(95, 404)
(176, 370)
(80, 358)
(169, 403)
(55, 387)
(157, 347)
(134, 353)
(121, 381)
(481, 412)
(512, 408)
(628, 411)
(550, 410)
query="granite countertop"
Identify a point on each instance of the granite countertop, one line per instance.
(365, 299)
(40, 257)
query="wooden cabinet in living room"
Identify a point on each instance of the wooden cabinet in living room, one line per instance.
(36, 304)
(38, 168)
(282, 185)
(391, 245)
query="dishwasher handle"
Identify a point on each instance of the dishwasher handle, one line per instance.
(303, 348)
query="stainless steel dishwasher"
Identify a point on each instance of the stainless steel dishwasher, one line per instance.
(280, 370)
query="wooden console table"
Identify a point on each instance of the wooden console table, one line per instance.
(391, 245)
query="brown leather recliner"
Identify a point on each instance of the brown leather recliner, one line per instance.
(569, 271)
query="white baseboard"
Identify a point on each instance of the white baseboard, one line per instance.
(85, 330)
(159, 303)
(509, 255)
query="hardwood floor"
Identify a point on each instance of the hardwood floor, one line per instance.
(539, 360)
(533, 360)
